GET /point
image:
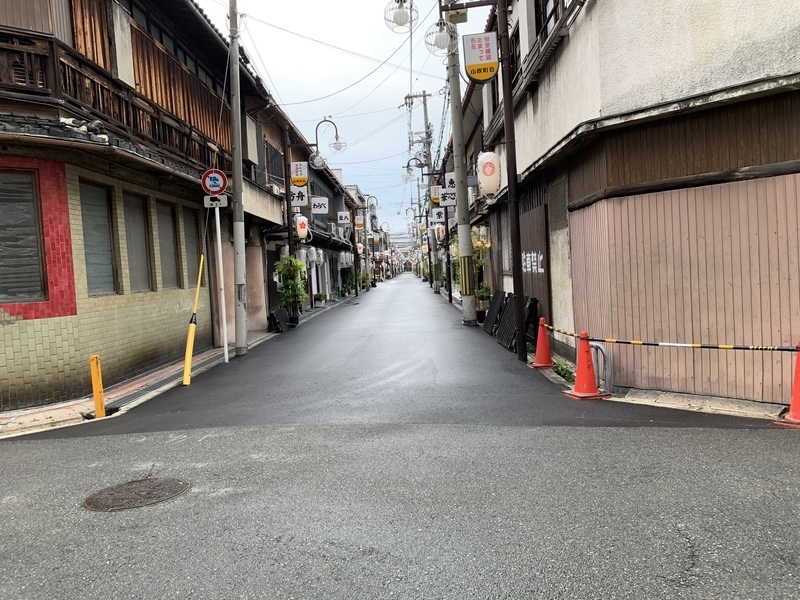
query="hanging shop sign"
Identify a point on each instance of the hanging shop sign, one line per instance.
(299, 196)
(437, 215)
(343, 217)
(449, 190)
(319, 205)
(481, 58)
(299, 173)
(436, 193)
(359, 222)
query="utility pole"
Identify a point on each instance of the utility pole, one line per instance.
(511, 168)
(433, 245)
(239, 262)
(469, 315)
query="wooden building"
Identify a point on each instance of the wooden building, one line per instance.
(658, 155)
(110, 111)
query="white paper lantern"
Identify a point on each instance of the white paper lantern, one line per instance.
(301, 224)
(312, 254)
(320, 258)
(489, 173)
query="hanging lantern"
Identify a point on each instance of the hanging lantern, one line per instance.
(489, 174)
(301, 224)
(301, 255)
(360, 247)
(312, 254)
(320, 258)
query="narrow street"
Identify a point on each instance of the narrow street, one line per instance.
(382, 450)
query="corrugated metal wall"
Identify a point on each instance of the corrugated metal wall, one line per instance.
(717, 264)
(62, 20)
(26, 14)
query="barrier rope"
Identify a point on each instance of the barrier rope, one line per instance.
(678, 345)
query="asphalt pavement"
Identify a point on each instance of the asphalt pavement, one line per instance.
(383, 450)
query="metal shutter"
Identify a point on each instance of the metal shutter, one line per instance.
(166, 243)
(138, 243)
(96, 217)
(20, 251)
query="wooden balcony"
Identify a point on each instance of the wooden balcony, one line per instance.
(39, 66)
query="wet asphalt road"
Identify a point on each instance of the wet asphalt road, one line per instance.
(385, 450)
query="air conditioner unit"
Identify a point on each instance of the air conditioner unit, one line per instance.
(340, 233)
(332, 228)
(275, 189)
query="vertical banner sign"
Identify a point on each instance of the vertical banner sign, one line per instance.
(449, 191)
(299, 195)
(436, 193)
(343, 217)
(319, 205)
(437, 215)
(359, 222)
(481, 58)
(299, 174)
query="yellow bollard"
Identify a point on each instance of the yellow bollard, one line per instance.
(97, 387)
(187, 359)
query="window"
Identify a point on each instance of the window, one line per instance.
(274, 163)
(155, 31)
(169, 43)
(192, 237)
(545, 18)
(138, 242)
(97, 240)
(515, 52)
(139, 15)
(167, 244)
(21, 269)
(191, 64)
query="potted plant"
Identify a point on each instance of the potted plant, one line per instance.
(319, 300)
(291, 286)
(482, 295)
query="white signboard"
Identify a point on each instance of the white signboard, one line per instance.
(481, 58)
(343, 217)
(299, 196)
(437, 215)
(359, 222)
(299, 173)
(436, 193)
(449, 190)
(319, 205)
(218, 201)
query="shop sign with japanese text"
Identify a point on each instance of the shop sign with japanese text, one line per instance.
(449, 190)
(481, 58)
(299, 196)
(319, 205)
(299, 173)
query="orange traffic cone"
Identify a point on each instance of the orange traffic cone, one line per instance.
(543, 358)
(585, 387)
(793, 416)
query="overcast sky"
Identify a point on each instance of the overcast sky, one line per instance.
(323, 59)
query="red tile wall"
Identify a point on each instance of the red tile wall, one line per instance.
(57, 241)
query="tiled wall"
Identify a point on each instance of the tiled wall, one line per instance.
(46, 360)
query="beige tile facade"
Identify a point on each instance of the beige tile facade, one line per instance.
(47, 360)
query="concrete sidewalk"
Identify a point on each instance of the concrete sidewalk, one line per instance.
(123, 397)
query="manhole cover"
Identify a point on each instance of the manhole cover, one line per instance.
(134, 494)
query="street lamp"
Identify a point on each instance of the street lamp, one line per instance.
(337, 144)
(316, 161)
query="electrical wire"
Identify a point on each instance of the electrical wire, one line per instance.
(339, 48)
(263, 64)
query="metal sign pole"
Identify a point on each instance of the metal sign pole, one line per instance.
(221, 280)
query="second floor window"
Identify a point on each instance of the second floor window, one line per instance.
(274, 164)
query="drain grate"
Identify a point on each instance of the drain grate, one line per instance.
(135, 494)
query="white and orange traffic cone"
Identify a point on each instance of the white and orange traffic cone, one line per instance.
(585, 387)
(543, 358)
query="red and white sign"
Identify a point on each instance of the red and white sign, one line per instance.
(481, 59)
(214, 182)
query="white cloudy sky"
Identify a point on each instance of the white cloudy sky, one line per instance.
(323, 59)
